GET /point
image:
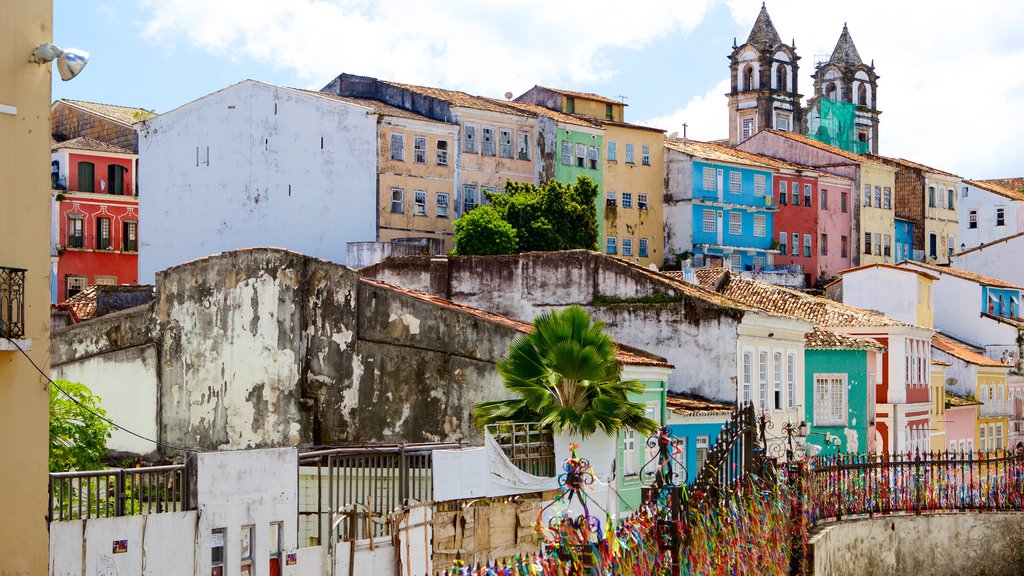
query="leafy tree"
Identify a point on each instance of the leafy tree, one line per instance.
(565, 376)
(481, 232)
(552, 216)
(78, 434)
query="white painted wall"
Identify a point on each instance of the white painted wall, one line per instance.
(1001, 261)
(891, 292)
(157, 545)
(678, 209)
(133, 405)
(985, 204)
(244, 167)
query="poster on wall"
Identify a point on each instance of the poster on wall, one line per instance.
(120, 546)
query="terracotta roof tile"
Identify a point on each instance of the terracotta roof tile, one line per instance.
(963, 351)
(908, 164)
(994, 282)
(822, 146)
(955, 401)
(693, 405)
(86, 143)
(83, 304)
(997, 241)
(724, 153)
(584, 95)
(625, 354)
(940, 362)
(461, 99)
(375, 105)
(555, 115)
(126, 115)
(891, 266)
(1012, 188)
(1017, 322)
(821, 339)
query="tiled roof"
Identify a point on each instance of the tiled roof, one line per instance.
(786, 302)
(375, 105)
(908, 164)
(83, 304)
(605, 122)
(123, 114)
(1002, 186)
(954, 401)
(555, 115)
(963, 351)
(764, 32)
(995, 283)
(461, 99)
(890, 266)
(717, 152)
(624, 354)
(693, 405)
(822, 146)
(940, 363)
(845, 52)
(86, 143)
(583, 95)
(1016, 322)
(997, 241)
(821, 339)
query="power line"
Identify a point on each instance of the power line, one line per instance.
(86, 408)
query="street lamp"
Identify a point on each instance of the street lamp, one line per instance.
(69, 62)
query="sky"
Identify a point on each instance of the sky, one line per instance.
(950, 86)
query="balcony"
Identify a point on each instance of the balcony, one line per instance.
(12, 309)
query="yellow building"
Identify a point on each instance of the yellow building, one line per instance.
(937, 412)
(972, 374)
(877, 224)
(24, 244)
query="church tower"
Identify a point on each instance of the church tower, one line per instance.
(764, 75)
(845, 78)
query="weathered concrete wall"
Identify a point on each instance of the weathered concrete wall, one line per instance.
(961, 544)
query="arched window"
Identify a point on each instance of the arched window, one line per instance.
(115, 179)
(831, 91)
(86, 176)
(780, 77)
(862, 95)
(748, 77)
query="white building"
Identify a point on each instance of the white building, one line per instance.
(256, 165)
(989, 210)
(908, 296)
(999, 258)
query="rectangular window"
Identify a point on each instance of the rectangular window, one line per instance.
(245, 548)
(566, 153)
(791, 381)
(643, 247)
(613, 156)
(807, 245)
(103, 234)
(999, 436)
(487, 142)
(709, 179)
(830, 400)
(419, 150)
(973, 219)
(419, 203)
(442, 152)
(115, 179)
(645, 155)
(86, 176)
(795, 193)
(876, 243)
(468, 197)
(469, 139)
(74, 285)
(735, 182)
(950, 199)
(782, 243)
(822, 199)
(886, 245)
(807, 194)
(708, 221)
(950, 243)
(217, 551)
(867, 242)
(627, 199)
(441, 209)
(983, 443)
(1000, 216)
(796, 244)
(629, 153)
(581, 155)
(823, 244)
(485, 194)
(523, 152)
(735, 223)
(843, 199)
(593, 157)
(867, 194)
(878, 196)
(276, 542)
(783, 193)
(748, 375)
(130, 236)
(505, 143)
(760, 229)
(610, 245)
(641, 201)
(608, 115)
(627, 246)
(887, 198)
(963, 191)
(736, 261)
(777, 380)
(760, 185)
(931, 196)
(746, 128)
(762, 381)
(76, 233)
(843, 246)
(398, 147)
(629, 458)
(397, 201)
(702, 452)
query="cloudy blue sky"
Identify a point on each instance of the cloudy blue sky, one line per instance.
(951, 86)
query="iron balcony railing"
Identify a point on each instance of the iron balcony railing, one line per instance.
(12, 302)
(119, 492)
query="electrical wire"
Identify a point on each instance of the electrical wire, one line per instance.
(89, 410)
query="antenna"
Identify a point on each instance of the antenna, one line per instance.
(622, 98)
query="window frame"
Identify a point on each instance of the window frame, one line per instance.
(129, 235)
(645, 154)
(506, 146)
(90, 182)
(469, 139)
(735, 182)
(641, 201)
(76, 240)
(808, 246)
(523, 146)
(470, 200)
(642, 252)
(612, 155)
(627, 246)
(713, 227)
(760, 225)
(442, 152)
(627, 199)
(487, 144)
(419, 203)
(104, 241)
(629, 153)
(735, 223)
(397, 141)
(611, 245)
(397, 200)
(746, 377)
(760, 184)
(438, 213)
(419, 153)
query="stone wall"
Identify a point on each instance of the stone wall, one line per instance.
(956, 544)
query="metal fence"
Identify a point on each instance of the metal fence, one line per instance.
(118, 492)
(859, 484)
(530, 447)
(12, 302)
(737, 453)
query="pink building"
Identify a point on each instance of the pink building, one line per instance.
(961, 422)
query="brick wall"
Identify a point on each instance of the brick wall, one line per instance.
(69, 122)
(909, 198)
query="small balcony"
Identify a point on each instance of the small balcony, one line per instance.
(12, 308)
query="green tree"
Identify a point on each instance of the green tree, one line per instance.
(552, 216)
(565, 376)
(482, 232)
(78, 434)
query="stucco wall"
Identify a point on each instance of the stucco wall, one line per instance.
(960, 544)
(995, 261)
(891, 292)
(246, 167)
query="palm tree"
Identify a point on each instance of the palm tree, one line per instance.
(566, 377)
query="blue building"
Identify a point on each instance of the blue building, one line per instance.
(719, 204)
(696, 422)
(904, 249)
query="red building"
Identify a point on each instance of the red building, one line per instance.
(95, 238)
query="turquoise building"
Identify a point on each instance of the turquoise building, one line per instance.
(632, 447)
(696, 422)
(904, 248)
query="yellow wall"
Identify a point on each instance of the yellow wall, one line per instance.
(941, 220)
(410, 176)
(637, 179)
(925, 302)
(879, 221)
(937, 414)
(592, 108)
(24, 243)
(991, 390)
(477, 169)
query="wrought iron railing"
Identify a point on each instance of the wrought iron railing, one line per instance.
(12, 302)
(735, 454)
(119, 492)
(529, 446)
(860, 484)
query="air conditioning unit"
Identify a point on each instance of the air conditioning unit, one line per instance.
(610, 202)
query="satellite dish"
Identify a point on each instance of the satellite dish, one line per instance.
(508, 95)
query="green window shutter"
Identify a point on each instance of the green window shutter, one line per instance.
(86, 176)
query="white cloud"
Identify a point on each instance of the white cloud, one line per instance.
(705, 116)
(482, 47)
